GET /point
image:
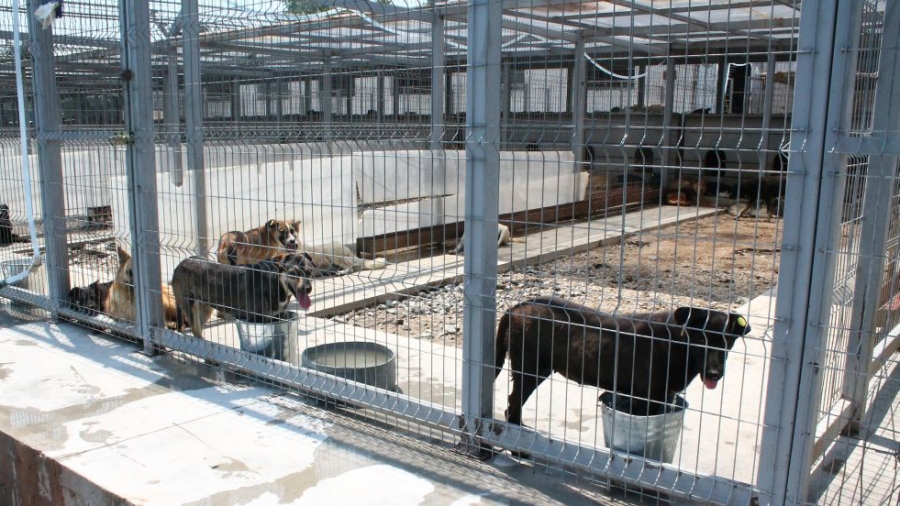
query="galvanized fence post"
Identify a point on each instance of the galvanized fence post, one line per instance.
(47, 123)
(806, 282)
(141, 166)
(193, 118)
(437, 81)
(879, 189)
(482, 210)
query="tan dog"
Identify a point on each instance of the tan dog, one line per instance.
(261, 243)
(120, 302)
(685, 191)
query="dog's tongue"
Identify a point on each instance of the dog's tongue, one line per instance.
(710, 384)
(304, 301)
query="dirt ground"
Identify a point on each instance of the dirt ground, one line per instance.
(716, 262)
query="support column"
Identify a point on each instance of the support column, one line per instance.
(380, 97)
(482, 195)
(279, 97)
(325, 98)
(193, 119)
(437, 81)
(307, 95)
(236, 100)
(141, 168)
(879, 189)
(172, 116)
(668, 111)
(768, 96)
(47, 118)
(578, 87)
(721, 85)
(642, 86)
(395, 96)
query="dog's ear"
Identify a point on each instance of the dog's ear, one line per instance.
(272, 224)
(123, 255)
(693, 317)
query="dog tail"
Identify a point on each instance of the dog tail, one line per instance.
(501, 344)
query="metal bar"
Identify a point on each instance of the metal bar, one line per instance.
(482, 210)
(668, 111)
(578, 89)
(325, 94)
(379, 93)
(794, 384)
(236, 100)
(879, 190)
(172, 114)
(768, 97)
(884, 350)
(193, 119)
(668, 479)
(874, 144)
(48, 118)
(141, 167)
(437, 82)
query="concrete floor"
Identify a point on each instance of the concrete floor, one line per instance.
(89, 420)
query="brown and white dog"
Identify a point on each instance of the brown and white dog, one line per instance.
(258, 293)
(273, 238)
(121, 302)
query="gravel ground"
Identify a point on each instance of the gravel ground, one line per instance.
(716, 262)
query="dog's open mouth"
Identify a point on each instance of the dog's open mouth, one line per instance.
(710, 383)
(291, 247)
(304, 300)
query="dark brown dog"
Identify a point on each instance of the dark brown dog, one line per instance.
(90, 299)
(648, 356)
(768, 189)
(261, 243)
(258, 293)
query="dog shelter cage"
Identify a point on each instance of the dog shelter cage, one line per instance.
(392, 128)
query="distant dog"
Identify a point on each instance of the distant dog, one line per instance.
(258, 293)
(769, 190)
(648, 356)
(335, 258)
(121, 302)
(503, 237)
(685, 191)
(91, 299)
(261, 243)
(6, 229)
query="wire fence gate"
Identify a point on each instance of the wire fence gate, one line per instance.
(654, 244)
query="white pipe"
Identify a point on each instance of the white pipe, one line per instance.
(23, 135)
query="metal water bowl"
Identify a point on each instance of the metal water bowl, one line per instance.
(652, 437)
(271, 340)
(12, 267)
(364, 362)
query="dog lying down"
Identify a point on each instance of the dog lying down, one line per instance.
(258, 293)
(650, 357)
(503, 237)
(336, 259)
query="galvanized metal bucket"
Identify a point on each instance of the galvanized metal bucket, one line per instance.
(271, 340)
(652, 437)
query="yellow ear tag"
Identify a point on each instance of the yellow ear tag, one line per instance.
(741, 321)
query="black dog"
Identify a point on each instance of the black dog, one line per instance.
(258, 293)
(650, 357)
(90, 299)
(6, 229)
(768, 189)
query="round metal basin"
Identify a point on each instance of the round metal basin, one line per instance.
(364, 362)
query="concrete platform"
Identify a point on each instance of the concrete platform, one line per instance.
(353, 291)
(87, 420)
